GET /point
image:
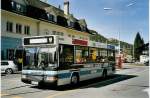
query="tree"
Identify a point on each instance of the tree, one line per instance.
(142, 41)
(138, 42)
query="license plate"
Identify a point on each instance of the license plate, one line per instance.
(34, 83)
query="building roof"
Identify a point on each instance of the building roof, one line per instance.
(54, 10)
(82, 22)
(45, 6)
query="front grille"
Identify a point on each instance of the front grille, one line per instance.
(35, 78)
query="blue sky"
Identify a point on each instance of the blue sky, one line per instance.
(127, 17)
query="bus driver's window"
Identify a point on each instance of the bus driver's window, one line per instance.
(43, 58)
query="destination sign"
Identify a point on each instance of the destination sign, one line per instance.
(39, 40)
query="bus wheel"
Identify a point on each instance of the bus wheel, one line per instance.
(74, 80)
(41, 85)
(9, 71)
(104, 73)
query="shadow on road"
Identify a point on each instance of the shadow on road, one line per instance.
(97, 82)
(29, 92)
(127, 68)
(16, 73)
(3, 74)
(17, 87)
(93, 83)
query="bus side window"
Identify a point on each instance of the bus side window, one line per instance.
(50, 58)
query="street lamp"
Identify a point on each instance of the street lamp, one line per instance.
(109, 9)
(131, 4)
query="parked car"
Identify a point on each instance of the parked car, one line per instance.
(8, 67)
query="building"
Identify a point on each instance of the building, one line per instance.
(21, 18)
(125, 48)
(144, 57)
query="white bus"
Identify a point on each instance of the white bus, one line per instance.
(49, 61)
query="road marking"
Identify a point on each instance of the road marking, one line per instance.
(70, 91)
(147, 90)
(62, 93)
(134, 73)
(67, 92)
(16, 97)
(3, 94)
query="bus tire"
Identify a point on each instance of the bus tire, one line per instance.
(104, 73)
(40, 84)
(9, 71)
(74, 79)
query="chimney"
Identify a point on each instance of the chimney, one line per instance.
(66, 7)
(59, 6)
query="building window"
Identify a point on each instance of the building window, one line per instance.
(54, 32)
(69, 35)
(83, 28)
(18, 28)
(2, 54)
(62, 34)
(27, 30)
(9, 27)
(73, 36)
(50, 17)
(10, 54)
(18, 7)
(58, 33)
(13, 4)
(71, 24)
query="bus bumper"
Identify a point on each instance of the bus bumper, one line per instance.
(42, 82)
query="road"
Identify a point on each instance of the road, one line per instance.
(129, 82)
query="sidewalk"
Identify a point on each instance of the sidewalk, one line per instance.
(129, 66)
(135, 64)
(18, 72)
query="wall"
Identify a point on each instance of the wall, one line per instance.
(12, 40)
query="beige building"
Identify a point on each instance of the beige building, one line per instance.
(21, 18)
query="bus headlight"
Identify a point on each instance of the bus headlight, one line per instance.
(51, 78)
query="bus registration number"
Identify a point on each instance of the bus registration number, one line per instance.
(34, 83)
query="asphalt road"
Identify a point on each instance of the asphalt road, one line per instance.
(129, 82)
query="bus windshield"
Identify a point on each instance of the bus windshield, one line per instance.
(41, 58)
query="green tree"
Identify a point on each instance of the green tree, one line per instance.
(138, 42)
